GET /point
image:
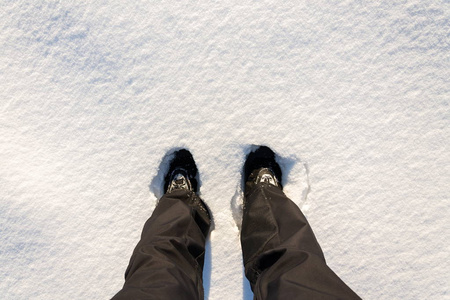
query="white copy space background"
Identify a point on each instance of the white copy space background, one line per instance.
(353, 95)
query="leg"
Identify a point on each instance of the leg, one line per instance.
(282, 257)
(167, 263)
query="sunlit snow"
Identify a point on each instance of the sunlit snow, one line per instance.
(352, 95)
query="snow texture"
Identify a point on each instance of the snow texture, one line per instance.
(352, 95)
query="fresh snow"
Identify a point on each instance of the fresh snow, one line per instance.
(352, 95)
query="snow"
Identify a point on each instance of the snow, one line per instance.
(353, 96)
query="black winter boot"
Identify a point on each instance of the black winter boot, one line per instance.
(182, 173)
(261, 166)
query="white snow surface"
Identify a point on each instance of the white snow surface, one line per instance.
(352, 95)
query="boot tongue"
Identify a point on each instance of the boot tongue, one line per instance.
(179, 182)
(267, 178)
(262, 175)
(179, 178)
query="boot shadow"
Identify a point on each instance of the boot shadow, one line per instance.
(247, 290)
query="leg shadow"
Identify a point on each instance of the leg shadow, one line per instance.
(247, 292)
(207, 269)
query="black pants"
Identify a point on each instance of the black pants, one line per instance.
(281, 255)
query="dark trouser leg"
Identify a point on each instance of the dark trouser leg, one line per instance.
(281, 255)
(167, 263)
